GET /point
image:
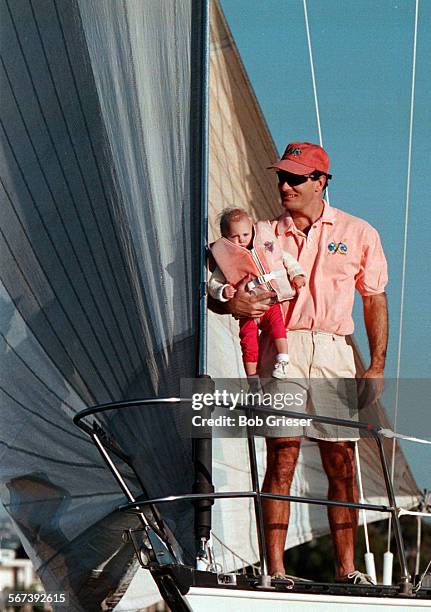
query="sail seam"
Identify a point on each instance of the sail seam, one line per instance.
(10, 348)
(155, 251)
(69, 190)
(108, 208)
(31, 292)
(45, 457)
(252, 98)
(45, 419)
(36, 207)
(232, 169)
(42, 269)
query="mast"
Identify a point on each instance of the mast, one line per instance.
(202, 447)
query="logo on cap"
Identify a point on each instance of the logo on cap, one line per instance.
(293, 151)
(303, 158)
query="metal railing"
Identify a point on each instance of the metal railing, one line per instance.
(137, 506)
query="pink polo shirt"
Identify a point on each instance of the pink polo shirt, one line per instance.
(341, 253)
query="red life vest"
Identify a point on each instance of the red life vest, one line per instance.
(264, 264)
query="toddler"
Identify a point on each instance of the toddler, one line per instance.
(247, 250)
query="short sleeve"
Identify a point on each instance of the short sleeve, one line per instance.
(372, 277)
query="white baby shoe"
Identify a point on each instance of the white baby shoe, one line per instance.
(280, 370)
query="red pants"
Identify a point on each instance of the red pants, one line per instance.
(271, 322)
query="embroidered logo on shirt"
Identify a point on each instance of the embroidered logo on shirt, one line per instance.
(337, 247)
(269, 246)
(293, 151)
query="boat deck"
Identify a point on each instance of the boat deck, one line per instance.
(207, 592)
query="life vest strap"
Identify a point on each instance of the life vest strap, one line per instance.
(264, 278)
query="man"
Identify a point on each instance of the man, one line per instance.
(339, 253)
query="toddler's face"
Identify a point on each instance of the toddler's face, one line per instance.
(240, 232)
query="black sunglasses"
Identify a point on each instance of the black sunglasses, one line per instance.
(297, 179)
(293, 179)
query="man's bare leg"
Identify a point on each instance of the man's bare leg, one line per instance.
(338, 460)
(282, 455)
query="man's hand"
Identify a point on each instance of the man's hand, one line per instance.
(370, 386)
(246, 305)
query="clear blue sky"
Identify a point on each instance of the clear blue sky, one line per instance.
(363, 64)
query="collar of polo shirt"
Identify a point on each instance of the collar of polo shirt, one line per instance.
(286, 224)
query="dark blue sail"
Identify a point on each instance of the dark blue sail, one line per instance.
(99, 252)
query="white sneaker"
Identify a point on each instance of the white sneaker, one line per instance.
(280, 370)
(357, 577)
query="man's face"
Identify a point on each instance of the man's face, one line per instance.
(240, 232)
(298, 192)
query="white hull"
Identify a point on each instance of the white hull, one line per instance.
(229, 600)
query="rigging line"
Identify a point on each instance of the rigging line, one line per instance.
(404, 512)
(404, 261)
(233, 553)
(132, 289)
(313, 78)
(69, 189)
(424, 573)
(319, 127)
(388, 433)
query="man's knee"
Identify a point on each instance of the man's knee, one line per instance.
(282, 456)
(338, 460)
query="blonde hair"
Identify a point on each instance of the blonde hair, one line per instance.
(231, 214)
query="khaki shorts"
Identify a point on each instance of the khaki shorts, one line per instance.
(322, 378)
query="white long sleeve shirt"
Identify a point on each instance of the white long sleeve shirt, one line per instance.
(217, 281)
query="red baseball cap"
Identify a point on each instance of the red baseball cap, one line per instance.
(303, 158)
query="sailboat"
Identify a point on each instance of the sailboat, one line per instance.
(102, 235)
